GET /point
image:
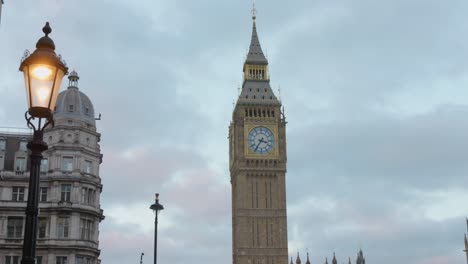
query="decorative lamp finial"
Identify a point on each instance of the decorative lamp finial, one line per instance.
(47, 29)
(157, 196)
(254, 12)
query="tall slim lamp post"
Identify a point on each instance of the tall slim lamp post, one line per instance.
(43, 72)
(156, 207)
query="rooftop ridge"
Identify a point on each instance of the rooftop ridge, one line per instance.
(15, 131)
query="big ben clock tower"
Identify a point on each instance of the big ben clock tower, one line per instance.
(257, 136)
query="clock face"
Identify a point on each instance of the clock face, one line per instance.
(261, 140)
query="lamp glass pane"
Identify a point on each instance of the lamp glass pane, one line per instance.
(26, 84)
(58, 83)
(42, 82)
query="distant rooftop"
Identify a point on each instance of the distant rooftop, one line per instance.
(15, 130)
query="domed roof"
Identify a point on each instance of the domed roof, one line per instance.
(73, 74)
(74, 104)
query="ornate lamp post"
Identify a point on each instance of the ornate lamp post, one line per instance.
(43, 71)
(156, 207)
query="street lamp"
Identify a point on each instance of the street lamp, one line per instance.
(43, 71)
(156, 207)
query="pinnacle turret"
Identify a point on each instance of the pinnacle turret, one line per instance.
(298, 259)
(360, 258)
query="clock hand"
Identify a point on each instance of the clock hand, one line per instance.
(260, 141)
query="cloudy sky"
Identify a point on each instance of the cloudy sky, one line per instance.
(376, 99)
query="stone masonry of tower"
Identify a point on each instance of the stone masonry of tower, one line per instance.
(257, 136)
(70, 186)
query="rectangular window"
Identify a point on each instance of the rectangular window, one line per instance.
(92, 196)
(87, 196)
(15, 227)
(86, 229)
(2, 163)
(44, 165)
(88, 167)
(11, 259)
(82, 260)
(42, 227)
(61, 260)
(84, 195)
(20, 164)
(39, 260)
(2, 144)
(63, 227)
(17, 193)
(23, 146)
(43, 197)
(67, 163)
(65, 193)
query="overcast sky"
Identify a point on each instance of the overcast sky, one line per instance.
(376, 99)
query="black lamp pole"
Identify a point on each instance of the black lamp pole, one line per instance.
(37, 146)
(156, 207)
(43, 71)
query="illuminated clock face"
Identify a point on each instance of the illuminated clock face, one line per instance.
(261, 140)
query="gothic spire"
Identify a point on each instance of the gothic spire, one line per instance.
(326, 260)
(256, 87)
(308, 261)
(255, 55)
(360, 258)
(334, 259)
(291, 261)
(298, 259)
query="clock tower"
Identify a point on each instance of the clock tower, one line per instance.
(257, 155)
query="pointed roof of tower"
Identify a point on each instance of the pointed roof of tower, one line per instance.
(334, 259)
(255, 55)
(308, 261)
(360, 258)
(257, 91)
(298, 259)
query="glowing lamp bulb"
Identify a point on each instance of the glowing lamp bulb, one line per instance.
(43, 94)
(42, 72)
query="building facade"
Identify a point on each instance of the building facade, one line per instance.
(257, 138)
(70, 186)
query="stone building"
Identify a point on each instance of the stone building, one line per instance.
(257, 138)
(70, 186)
